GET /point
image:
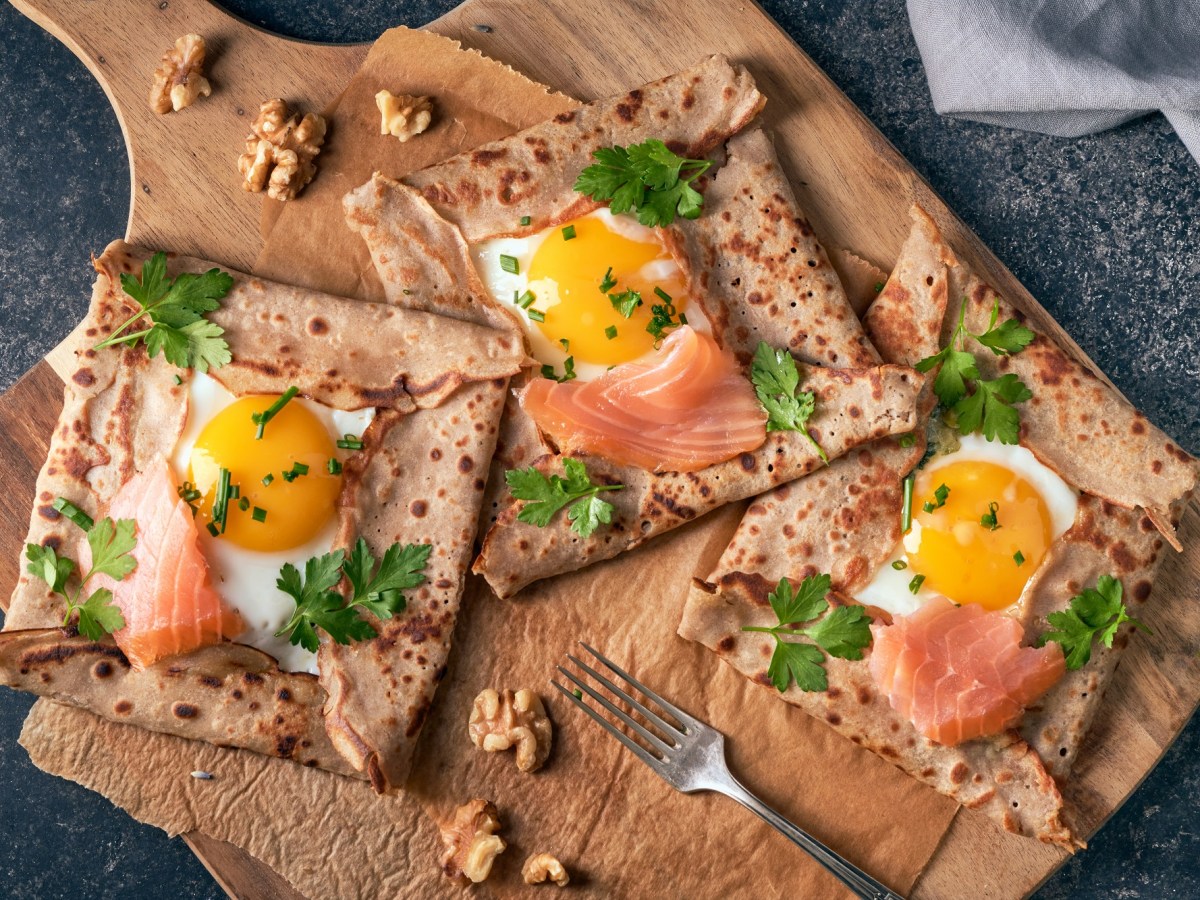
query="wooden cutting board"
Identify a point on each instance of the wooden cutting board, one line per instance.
(854, 185)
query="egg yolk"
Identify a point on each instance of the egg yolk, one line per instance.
(565, 277)
(966, 560)
(296, 510)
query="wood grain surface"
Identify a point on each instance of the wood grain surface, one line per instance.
(854, 185)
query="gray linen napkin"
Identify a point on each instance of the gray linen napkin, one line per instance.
(1063, 67)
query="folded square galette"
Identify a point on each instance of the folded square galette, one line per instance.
(277, 545)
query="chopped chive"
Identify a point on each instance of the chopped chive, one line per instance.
(682, 318)
(262, 418)
(928, 507)
(906, 508)
(212, 529)
(525, 220)
(941, 495)
(536, 314)
(608, 282)
(899, 565)
(267, 479)
(300, 468)
(525, 300)
(878, 286)
(74, 513)
(349, 442)
(333, 467)
(610, 332)
(988, 519)
(578, 694)
(220, 510)
(259, 514)
(178, 380)
(288, 476)
(406, 292)
(662, 295)
(510, 264)
(1019, 558)
(907, 440)
(915, 584)
(235, 492)
(569, 233)
(244, 504)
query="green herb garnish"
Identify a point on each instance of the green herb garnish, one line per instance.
(536, 315)
(610, 332)
(546, 495)
(625, 302)
(319, 606)
(262, 418)
(662, 316)
(899, 565)
(568, 371)
(525, 220)
(608, 282)
(646, 178)
(510, 264)
(1096, 614)
(73, 512)
(988, 520)
(176, 308)
(350, 442)
(568, 233)
(776, 381)
(111, 545)
(990, 407)
(915, 584)
(333, 466)
(258, 514)
(843, 633)
(1019, 558)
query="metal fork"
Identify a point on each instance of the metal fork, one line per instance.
(692, 759)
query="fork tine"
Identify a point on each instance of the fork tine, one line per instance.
(627, 697)
(646, 735)
(637, 685)
(641, 752)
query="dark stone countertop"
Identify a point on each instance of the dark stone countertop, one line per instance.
(1103, 230)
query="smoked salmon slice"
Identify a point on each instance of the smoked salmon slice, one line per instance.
(167, 601)
(693, 408)
(960, 672)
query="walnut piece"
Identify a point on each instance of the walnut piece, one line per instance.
(471, 842)
(404, 116)
(179, 79)
(280, 150)
(544, 867)
(500, 721)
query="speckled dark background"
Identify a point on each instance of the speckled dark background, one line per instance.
(1103, 230)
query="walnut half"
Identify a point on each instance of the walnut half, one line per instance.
(544, 867)
(471, 842)
(499, 721)
(179, 78)
(404, 116)
(280, 151)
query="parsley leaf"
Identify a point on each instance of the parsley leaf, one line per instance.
(662, 316)
(99, 615)
(843, 633)
(648, 179)
(776, 381)
(1097, 613)
(989, 408)
(47, 565)
(318, 606)
(568, 371)
(402, 567)
(112, 555)
(626, 301)
(176, 309)
(544, 496)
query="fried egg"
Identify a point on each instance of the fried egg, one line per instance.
(953, 549)
(556, 275)
(300, 512)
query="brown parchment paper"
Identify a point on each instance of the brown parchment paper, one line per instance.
(618, 828)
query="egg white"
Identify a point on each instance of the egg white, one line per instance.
(504, 286)
(244, 578)
(888, 589)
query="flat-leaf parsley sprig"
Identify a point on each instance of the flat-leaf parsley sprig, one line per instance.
(776, 380)
(648, 179)
(111, 544)
(546, 495)
(378, 590)
(1094, 615)
(176, 308)
(989, 408)
(843, 633)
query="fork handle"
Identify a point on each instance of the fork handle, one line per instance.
(849, 874)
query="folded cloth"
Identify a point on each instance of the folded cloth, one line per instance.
(1063, 67)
